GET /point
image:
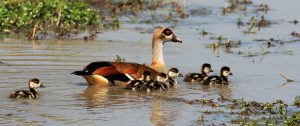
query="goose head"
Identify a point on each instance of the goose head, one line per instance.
(165, 35)
(206, 68)
(225, 71)
(35, 83)
(160, 36)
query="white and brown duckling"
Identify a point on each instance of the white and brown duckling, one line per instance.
(173, 73)
(32, 93)
(222, 79)
(199, 77)
(159, 84)
(138, 84)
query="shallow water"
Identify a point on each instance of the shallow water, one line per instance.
(68, 101)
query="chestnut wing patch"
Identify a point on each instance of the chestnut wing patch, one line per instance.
(106, 71)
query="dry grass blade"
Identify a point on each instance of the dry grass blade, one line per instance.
(119, 59)
(5, 64)
(286, 78)
(284, 84)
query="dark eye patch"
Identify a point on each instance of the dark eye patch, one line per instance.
(167, 31)
(35, 81)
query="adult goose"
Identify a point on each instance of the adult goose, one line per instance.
(104, 73)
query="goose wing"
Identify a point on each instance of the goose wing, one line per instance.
(116, 70)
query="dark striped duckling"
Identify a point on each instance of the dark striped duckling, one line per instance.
(222, 79)
(138, 84)
(32, 93)
(159, 84)
(173, 73)
(199, 77)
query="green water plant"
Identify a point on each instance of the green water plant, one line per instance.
(34, 18)
(246, 113)
(119, 59)
(251, 26)
(293, 120)
(297, 101)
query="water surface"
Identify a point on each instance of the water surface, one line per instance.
(68, 100)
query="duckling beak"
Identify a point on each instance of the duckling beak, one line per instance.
(42, 86)
(211, 70)
(180, 75)
(230, 73)
(176, 39)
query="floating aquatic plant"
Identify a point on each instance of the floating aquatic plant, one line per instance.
(227, 45)
(119, 59)
(297, 101)
(246, 113)
(293, 120)
(204, 33)
(251, 26)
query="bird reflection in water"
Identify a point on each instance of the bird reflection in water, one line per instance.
(223, 91)
(109, 97)
(164, 112)
(96, 96)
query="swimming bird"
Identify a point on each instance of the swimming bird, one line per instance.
(32, 93)
(294, 22)
(295, 34)
(239, 23)
(159, 84)
(222, 79)
(263, 22)
(162, 82)
(138, 84)
(104, 73)
(199, 77)
(173, 73)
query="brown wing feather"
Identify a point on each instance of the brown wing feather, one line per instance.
(126, 68)
(105, 71)
(134, 69)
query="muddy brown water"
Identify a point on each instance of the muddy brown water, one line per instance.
(67, 100)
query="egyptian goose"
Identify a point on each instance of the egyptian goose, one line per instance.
(104, 73)
(32, 93)
(222, 79)
(199, 77)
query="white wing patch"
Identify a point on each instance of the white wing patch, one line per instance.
(127, 75)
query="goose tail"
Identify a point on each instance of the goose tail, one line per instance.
(81, 73)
